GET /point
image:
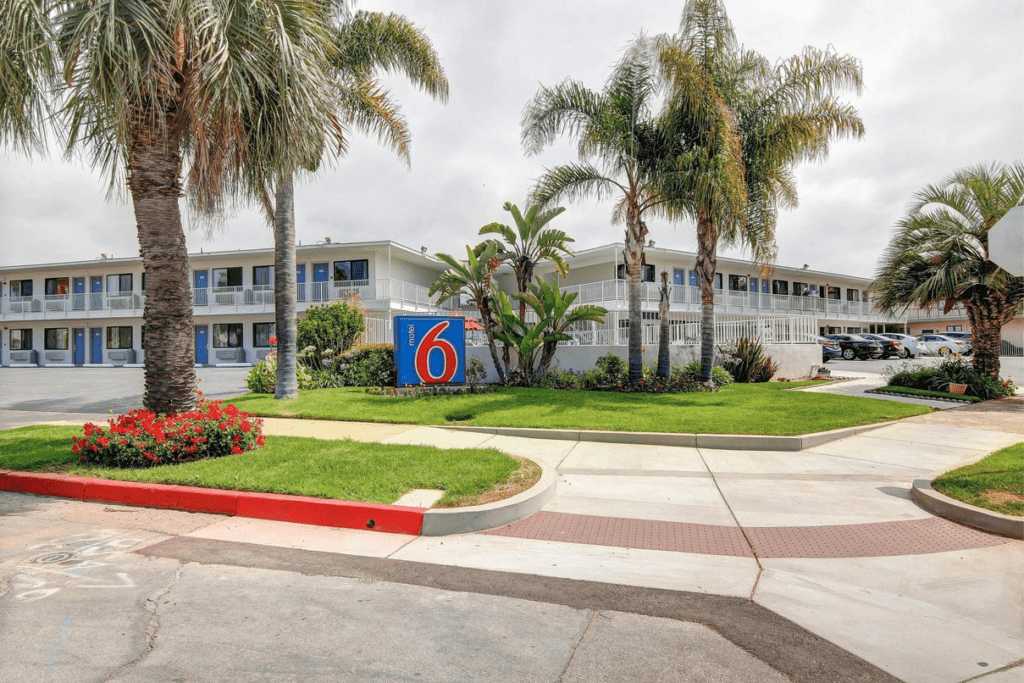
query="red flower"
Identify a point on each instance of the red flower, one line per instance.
(238, 437)
(261, 440)
(246, 426)
(236, 450)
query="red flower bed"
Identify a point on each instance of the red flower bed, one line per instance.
(141, 438)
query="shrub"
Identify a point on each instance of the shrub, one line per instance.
(691, 373)
(613, 369)
(329, 329)
(141, 438)
(559, 379)
(475, 372)
(949, 371)
(748, 362)
(369, 365)
(262, 379)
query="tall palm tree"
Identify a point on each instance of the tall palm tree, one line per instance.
(525, 246)
(939, 255)
(473, 278)
(626, 150)
(363, 46)
(778, 115)
(28, 64)
(155, 88)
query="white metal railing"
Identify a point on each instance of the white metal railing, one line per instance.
(615, 294)
(60, 305)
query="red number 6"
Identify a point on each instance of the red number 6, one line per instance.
(430, 343)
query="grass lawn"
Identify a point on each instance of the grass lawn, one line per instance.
(345, 470)
(737, 409)
(926, 393)
(996, 483)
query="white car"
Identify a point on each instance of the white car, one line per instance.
(910, 345)
(941, 345)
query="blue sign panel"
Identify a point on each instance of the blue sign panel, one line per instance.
(430, 350)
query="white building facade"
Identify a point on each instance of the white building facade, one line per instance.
(89, 313)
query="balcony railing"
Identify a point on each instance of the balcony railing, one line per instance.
(615, 293)
(381, 293)
(73, 305)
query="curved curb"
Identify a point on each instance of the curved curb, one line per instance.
(936, 503)
(735, 442)
(446, 521)
(923, 398)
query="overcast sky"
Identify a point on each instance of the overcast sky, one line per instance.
(944, 89)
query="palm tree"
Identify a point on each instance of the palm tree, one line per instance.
(154, 88)
(28, 65)
(939, 255)
(524, 247)
(778, 115)
(473, 278)
(365, 45)
(625, 150)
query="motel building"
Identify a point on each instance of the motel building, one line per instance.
(89, 313)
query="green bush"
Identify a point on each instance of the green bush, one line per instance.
(475, 372)
(748, 362)
(369, 365)
(691, 373)
(559, 379)
(262, 379)
(613, 369)
(330, 329)
(949, 371)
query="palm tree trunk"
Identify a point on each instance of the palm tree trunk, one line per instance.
(707, 262)
(487, 321)
(664, 362)
(285, 316)
(633, 256)
(987, 315)
(154, 166)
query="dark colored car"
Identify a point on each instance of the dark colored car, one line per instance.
(855, 346)
(890, 347)
(829, 349)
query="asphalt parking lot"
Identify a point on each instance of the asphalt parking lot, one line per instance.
(1011, 367)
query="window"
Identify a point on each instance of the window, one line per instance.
(227, 277)
(261, 334)
(852, 295)
(263, 276)
(21, 288)
(799, 289)
(352, 270)
(834, 293)
(646, 273)
(954, 328)
(227, 336)
(56, 286)
(21, 340)
(119, 337)
(718, 280)
(678, 276)
(650, 315)
(737, 283)
(780, 287)
(56, 338)
(119, 284)
(864, 296)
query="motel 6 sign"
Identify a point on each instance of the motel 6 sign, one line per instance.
(430, 350)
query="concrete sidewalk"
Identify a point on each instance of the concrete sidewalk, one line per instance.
(826, 538)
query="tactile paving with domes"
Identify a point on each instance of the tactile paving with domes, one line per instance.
(909, 537)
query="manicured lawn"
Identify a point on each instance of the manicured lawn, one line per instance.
(345, 470)
(927, 393)
(996, 483)
(737, 409)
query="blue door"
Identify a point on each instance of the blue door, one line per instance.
(693, 279)
(96, 294)
(202, 357)
(78, 295)
(320, 284)
(300, 282)
(78, 343)
(201, 283)
(753, 285)
(96, 354)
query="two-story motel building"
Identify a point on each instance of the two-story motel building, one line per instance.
(89, 313)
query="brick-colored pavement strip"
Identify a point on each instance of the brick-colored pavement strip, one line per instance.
(911, 537)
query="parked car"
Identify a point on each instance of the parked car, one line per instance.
(940, 344)
(829, 349)
(890, 347)
(855, 346)
(910, 347)
(963, 336)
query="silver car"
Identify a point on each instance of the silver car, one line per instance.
(941, 345)
(910, 346)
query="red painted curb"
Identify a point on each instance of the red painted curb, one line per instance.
(301, 509)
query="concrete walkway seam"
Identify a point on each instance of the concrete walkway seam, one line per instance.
(957, 511)
(737, 442)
